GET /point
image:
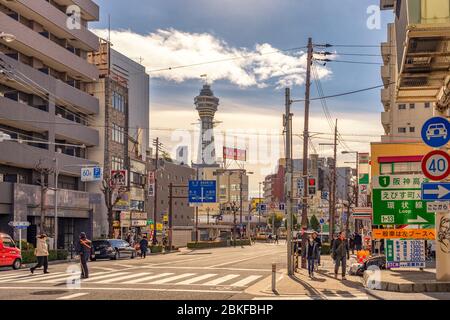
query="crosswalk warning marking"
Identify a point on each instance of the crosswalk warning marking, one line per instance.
(245, 281)
(35, 278)
(165, 280)
(68, 276)
(140, 280)
(105, 276)
(130, 276)
(221, 280)
(17, 276)
(197, 279)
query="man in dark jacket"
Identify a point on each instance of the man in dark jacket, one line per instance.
(143, 244)
(84, 250)
(319, 244)
(358, 241)
(340, 254)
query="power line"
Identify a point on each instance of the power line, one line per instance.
(225, 59)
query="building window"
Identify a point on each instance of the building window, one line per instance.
(117, 163)
(400, 168)
(118, 102)
(401, 130)
(412, 129)
(427, 104)
(412, 106)
(401, 106)
(118, 134)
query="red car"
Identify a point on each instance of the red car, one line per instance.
(9, 254)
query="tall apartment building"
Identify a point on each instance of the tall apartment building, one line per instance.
(44, 103)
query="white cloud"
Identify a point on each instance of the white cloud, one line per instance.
(261, 66)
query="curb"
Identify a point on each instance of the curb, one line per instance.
(407, 287)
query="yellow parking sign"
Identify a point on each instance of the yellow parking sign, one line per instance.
(159, 227)
(166, 218)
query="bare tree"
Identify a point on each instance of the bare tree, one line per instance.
(351, 200)
(43, 182)
(113, 194)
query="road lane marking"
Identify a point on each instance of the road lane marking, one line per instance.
(105, 276)
(148, 278)
(245, 281)
(125, 265)
(35, 277)
(241, 260)
(15, 276)
(221, 280)
(196, 279)
(118, 289)
(165, 280)
(103, 268)
(68, 276)
(130, 276)
(72, 296)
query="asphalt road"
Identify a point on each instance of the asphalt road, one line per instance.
(213, 274)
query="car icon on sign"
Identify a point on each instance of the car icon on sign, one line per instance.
(436, 130)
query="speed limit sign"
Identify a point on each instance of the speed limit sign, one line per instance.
(436, 165)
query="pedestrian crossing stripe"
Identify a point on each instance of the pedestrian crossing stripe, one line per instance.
(142, 278)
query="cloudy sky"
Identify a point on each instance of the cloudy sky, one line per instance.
(262, 43)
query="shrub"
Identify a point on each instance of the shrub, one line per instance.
(206, 244)
(156, 249)
(326, 249)
(29, 257)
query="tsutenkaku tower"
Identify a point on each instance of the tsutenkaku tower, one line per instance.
(206, 104)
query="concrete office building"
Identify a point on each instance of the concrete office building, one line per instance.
(43, 99)
(182, 214)
(123, 92)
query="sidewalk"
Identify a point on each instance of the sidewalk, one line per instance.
(300, 286)
(405, 280)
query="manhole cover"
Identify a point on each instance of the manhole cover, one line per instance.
(47, 293)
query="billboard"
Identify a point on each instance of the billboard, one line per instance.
(234, 154)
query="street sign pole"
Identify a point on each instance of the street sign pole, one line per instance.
(434, 135)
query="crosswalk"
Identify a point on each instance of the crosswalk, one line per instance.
(123, 277)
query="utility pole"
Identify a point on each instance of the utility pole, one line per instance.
(170, 214)
(304, 222)
(356, 191)
(333, 186)
(240, 205)
(56, 203)
(196, 218)
(288, 181)
(259, 206)
(155, 197)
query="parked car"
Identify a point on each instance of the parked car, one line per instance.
(10, 255)
(112, 249)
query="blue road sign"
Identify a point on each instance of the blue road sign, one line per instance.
(97, 173)
(322, 221)
(437, 191)
(202, 191)
(262, 206)
(436, 132)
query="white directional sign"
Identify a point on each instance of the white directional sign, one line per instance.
(19, 224)
(438, 206)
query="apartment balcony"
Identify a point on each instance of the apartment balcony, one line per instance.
(387, 4)
(385, 52)
(89, 10)
(55, 21)
(26, 156)
(63, 93)
(423, 33)
(385, 98)
(32, 119)
(51, 54)
(386, 121)
(386, 75)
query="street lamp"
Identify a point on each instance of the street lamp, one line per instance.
(7, 37)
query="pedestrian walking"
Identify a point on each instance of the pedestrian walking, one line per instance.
(352, 243)
(311, 254)
(41, 253)
(84, 249)
(276, 238)
(340, 254)
(144, 247)
(319, 244)
(358, 241)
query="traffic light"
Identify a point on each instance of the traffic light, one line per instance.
(311, 186)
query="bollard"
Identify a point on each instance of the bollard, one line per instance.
(274, 276)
